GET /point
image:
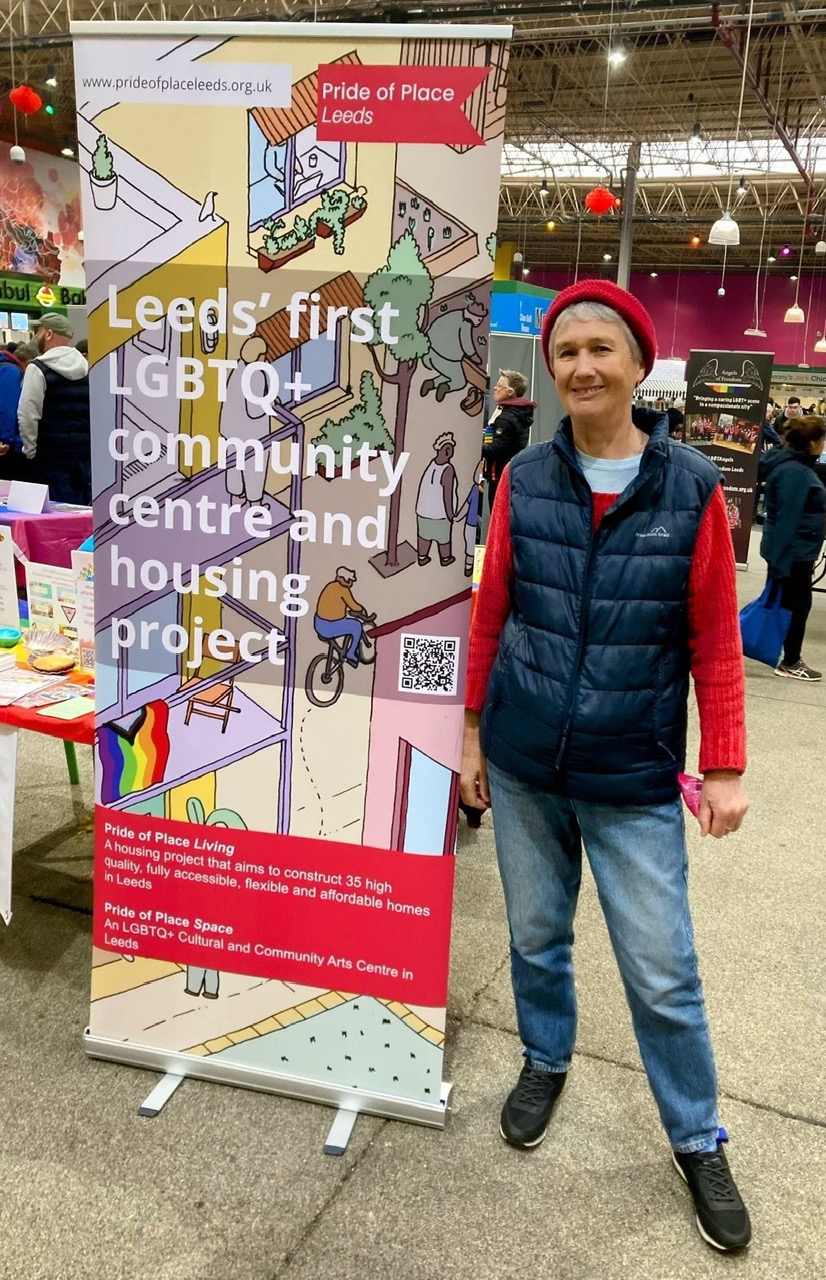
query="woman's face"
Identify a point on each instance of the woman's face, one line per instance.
(502, 390)
(594, 370)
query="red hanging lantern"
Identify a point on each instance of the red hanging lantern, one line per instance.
(25, 100)
(600, 201)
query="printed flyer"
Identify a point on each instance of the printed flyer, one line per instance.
(725, 407)
(290, 237)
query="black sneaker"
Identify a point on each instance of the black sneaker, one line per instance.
(799, 672)
(722, 1218)
(528, 1108)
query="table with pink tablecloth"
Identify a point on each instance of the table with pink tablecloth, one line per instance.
(49, 537)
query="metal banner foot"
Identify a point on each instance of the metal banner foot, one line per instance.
(340, 1132)
(160, 1095)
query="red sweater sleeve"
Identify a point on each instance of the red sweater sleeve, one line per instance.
(493, 599)
(715, 644)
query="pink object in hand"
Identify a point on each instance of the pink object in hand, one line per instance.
(691, 788)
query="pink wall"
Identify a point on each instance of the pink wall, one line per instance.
(703, 320)
(435, 730)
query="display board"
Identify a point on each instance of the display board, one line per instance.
(725, 407)
(290, 234)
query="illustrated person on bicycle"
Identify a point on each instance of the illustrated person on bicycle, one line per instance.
(338, 613)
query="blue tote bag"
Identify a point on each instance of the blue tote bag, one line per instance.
(763, 625)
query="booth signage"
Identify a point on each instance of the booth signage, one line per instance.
(725, 407)
(16, 292)
(290, 355)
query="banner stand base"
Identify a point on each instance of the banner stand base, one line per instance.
(340, 1132)
(155, 1102)
(182, 1065)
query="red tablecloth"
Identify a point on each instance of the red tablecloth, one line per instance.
(81, 730)
(48, 538)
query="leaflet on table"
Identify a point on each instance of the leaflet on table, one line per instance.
(52, 598)
(9, 610)
(83, 567)
(15, 685)
(58, 693)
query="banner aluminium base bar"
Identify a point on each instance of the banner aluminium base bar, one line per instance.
(432, 1115)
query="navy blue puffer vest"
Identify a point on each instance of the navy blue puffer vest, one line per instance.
(63, 434)
(588, 694)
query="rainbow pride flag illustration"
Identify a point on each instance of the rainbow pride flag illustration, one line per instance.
(134, 758)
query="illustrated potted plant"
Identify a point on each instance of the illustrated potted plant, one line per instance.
(339, 208)
(103, 177)
(282, 245)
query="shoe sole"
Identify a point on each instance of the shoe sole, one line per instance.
(715, 1244)
(523, 1146)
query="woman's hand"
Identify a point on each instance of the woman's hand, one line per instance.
(474, 778)
(723, 803)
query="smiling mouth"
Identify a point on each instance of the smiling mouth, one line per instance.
(586, 393)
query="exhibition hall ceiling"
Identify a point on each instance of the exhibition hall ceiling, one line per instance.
(588, 81)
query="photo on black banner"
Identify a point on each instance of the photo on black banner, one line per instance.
(726, 393)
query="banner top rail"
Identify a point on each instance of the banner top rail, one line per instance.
(304, 30)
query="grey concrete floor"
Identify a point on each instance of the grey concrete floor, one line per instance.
(231, 1185)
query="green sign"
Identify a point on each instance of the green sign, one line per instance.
(17, 292)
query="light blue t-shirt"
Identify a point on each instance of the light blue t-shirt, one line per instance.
(609, 475)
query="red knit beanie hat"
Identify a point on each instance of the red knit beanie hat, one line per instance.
(620, 300)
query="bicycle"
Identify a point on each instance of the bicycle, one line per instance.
(325, 674)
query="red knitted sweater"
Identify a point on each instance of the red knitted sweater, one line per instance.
(714, 631)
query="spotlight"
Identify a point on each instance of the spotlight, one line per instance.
(616, 55)
(606, 257)
(653, 275)
(68, 152)
(771, 258)
(792, 277)
(551, 225)
(785, 251)
(741, 187)
(543, 190)
(17, 155)
(696, 135)
(51, 78)
(526, 271)
(721, 293)
(695, 242)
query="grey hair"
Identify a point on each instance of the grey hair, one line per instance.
(27, 351)
(516, 381)
(595, 311)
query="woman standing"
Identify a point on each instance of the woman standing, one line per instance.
(795, 506)
(609, 578)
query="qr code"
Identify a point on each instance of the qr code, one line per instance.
(429, 664)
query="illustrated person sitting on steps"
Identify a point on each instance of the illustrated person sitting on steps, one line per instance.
(437, 502)
(339, 614)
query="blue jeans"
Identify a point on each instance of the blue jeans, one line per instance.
(341, 628)
(638, 859)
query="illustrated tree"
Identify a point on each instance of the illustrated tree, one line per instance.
(364, 424)
(407, 285)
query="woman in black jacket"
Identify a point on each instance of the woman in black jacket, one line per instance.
(509, 429)
(793, 531)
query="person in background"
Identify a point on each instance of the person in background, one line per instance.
(11, 446)
(83, 347)
(53, 414)
(11, 347)
(795, 506)
(791, 410)
(770, 439)
(676, 419)
(609, 580)
(509, 428)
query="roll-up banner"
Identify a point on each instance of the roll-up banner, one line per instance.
(725, 407)
(289, 232)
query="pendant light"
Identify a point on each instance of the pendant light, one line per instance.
(795, 313)
(755, 331)
(725, 230)
(820, 345)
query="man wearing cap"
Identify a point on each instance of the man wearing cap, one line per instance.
(53, 413)
(609, 578)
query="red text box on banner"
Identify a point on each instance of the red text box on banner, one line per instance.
(317, 912)
(397, 104)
